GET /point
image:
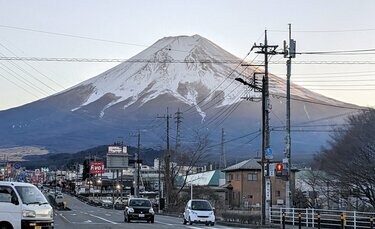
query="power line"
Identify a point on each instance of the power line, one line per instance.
(19, 86)
(235, 139)
(73, 36)
(326, 31)
(32, 67)
(203, 61)
(319, 103)
(21, 78)
(219, 85)
(360, 73)
(131, 60)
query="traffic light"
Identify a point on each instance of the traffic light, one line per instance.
(279, 169)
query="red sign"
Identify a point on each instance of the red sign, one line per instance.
(96, 167)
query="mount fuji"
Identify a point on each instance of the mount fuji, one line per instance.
(189, 74)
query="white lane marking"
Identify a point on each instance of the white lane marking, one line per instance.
(108, 214)
(87, 221)
(73, 214)
(61, 215)
(109, 221)
(168, 224)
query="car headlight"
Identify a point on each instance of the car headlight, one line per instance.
(130, 209)
(28, 213)
(51, 213)
(194, 212)
(151, 211)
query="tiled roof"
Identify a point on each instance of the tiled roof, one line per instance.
(251, 164)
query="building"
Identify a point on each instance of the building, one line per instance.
(245, 180)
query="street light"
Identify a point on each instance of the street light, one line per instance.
(99, 183)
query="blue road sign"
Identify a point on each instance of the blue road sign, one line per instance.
(17, 165)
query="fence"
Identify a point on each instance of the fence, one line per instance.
(320, 218)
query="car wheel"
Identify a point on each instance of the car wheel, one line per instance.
(213, 224)
(190, 222)
(184, 221)
(207, 224)
(152, 220)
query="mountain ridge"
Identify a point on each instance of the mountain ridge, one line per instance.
(120, 99)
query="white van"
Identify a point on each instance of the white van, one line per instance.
(23, 205)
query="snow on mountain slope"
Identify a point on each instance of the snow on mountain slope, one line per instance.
(188, 67)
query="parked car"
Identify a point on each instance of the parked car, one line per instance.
(106, 203)
(139, 209)
(199, 211)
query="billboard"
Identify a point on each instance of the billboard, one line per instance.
(117, 150)
(96, 167)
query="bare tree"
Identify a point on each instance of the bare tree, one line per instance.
(350, 160)
(189, 158)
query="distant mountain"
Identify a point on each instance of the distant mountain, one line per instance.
(189, 73)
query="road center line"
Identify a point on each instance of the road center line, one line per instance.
(109, 221)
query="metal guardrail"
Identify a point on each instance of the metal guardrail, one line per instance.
(321, 218)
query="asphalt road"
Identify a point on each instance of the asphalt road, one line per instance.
(84, 216)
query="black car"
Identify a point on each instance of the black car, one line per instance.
(139, 209)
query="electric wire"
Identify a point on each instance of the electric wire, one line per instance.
(234, 139)
(32, 67)
(22, 79)
(19, 86)
(319, 103)
(219, 85)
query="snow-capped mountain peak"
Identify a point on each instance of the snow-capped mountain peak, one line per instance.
(187, 67)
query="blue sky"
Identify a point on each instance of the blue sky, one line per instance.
(234, 25)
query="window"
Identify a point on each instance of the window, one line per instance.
(237, 176)
(230, 176)
(252, 176)
(5, 194)
(278, 194)
(30, 194)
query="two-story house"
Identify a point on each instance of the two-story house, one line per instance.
(245, 178)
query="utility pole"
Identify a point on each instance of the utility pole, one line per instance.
(266, 189)
(178, 118)
(223, 160)
(137, 161)
(167, 157)
(266, 50)
(289, 52)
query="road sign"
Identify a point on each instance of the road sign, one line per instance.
(17, 165)
(269, 153)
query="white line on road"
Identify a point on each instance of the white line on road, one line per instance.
(168, 224)
(61, 215)
(109, 221)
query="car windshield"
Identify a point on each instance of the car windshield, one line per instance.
(201, 205)
(30, 195)
(140, 203)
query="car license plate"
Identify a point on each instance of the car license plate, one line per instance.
(141, 215)
(38, 227)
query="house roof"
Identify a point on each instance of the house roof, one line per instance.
(251, 164)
